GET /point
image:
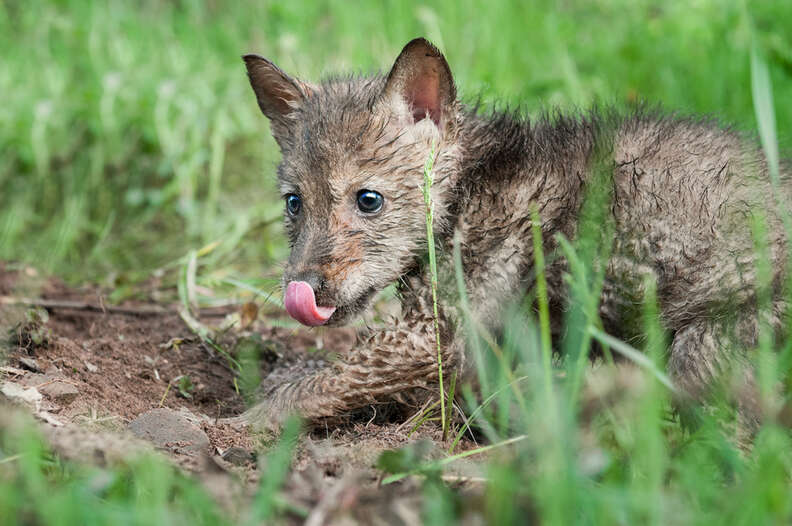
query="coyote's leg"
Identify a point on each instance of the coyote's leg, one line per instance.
(709, 351)
(384, 363)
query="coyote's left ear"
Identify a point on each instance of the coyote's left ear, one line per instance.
(278, 94)
(421, 78)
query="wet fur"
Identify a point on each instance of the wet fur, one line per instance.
(683, 191)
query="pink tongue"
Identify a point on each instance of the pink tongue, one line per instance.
(301, 305)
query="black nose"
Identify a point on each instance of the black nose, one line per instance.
(315, 279)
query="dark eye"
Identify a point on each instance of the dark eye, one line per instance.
(293, 204)
(369, 201)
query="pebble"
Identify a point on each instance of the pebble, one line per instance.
(168, 429)
(62, 393)
(30, 364)
(238, 456)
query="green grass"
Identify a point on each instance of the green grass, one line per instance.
(129, 134)
(132, 147)
(38, 488)
(428, 179)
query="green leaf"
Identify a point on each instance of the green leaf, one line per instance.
(762, 91)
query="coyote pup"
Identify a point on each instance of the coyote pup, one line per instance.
(682, 195)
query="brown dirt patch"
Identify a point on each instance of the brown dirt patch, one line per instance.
(124, 364)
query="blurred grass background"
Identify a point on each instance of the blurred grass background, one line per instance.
(130, 139)
(129, 134)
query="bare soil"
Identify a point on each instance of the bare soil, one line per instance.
(100, 367)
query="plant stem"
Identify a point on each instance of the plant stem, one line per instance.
(544, 310)
(427, 194)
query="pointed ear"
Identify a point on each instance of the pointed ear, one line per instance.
(422, 78)
(277, 93)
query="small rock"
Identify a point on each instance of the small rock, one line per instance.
(91, 367)
(53, 372)
(238, 456)
(168, 429)
(30, 364)
(17, 393)
(49, 418)
(192, 417)
(62, 393)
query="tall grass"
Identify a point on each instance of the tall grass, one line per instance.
(428, 179)
(129, 134)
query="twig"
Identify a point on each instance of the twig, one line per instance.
(167, 389)
(55, 380)
(461, 479)
(10, 459)
(147, 310)
(12, 370)
(144, 310)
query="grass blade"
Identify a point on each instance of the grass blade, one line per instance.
(762, 92)
(633, 355)
(427, 195)
(544, 309)
(448, 460)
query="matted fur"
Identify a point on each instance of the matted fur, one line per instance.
(682, 193)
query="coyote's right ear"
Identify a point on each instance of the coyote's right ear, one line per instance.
(277, 93)
(421, 78)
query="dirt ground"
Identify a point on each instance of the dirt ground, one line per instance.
(107, 381)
